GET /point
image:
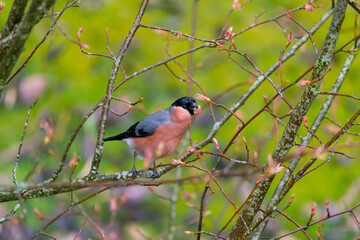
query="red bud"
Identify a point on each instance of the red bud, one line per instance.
(290, 37)
(288, 14)
(38, 214)
(79, 33)
(177, 162)
(113, 205)
(189, 233)
(292, 198)
(191, 149)
(305, 121)
(327, 204)
(216, 143)
(236, 4)
(255, 155)
(2, 6)
(313, 207)
(309, 7)
(304, 82)
(202, 97)
(228, 32)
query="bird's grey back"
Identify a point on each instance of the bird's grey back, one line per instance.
(148, 125)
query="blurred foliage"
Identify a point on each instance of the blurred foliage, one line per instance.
(70, 83)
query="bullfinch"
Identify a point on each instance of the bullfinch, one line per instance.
(158, 135)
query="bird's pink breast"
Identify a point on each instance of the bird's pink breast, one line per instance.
(166, 138)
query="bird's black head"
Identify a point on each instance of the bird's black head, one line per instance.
(186, 102)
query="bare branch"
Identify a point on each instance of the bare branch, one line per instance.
(106, 103)
(287, 140)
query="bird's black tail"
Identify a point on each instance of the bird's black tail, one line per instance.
(118, 137)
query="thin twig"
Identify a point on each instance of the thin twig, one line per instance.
(201, 211)
(318, 221)
(21, 144)
(310, 35)
(82, 227)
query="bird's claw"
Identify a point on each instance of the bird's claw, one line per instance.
(134, 173)
(156, 173)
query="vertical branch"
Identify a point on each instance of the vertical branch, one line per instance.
(16, 14)
(201, 212)
(192, 44)
(17, 207)
(106, 103)
(175, 194)
(173, 204)
(20, 27)
(51, 30)
(21, 144)
(325, 108)
(9, 215)
(240, 231)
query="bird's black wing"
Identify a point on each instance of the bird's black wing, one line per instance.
(145, 127)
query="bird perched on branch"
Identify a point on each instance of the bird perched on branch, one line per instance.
(158, 135)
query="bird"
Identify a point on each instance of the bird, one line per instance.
(159, 134)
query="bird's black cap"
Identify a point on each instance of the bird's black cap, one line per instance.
(187, 103)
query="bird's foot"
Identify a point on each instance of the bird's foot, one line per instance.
(156, 172)
(134, 173)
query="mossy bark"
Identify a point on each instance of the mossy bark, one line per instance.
(16, 32)
(243, 227)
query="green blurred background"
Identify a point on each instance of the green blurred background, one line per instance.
(68, 83)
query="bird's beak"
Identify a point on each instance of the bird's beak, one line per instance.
(197, 110)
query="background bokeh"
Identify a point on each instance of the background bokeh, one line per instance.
(68, 83)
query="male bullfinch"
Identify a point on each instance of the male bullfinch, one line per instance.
(158, 135)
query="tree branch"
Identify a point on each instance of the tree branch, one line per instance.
(240, 231)
(20, 30)
(106, 103)
(325, 108)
